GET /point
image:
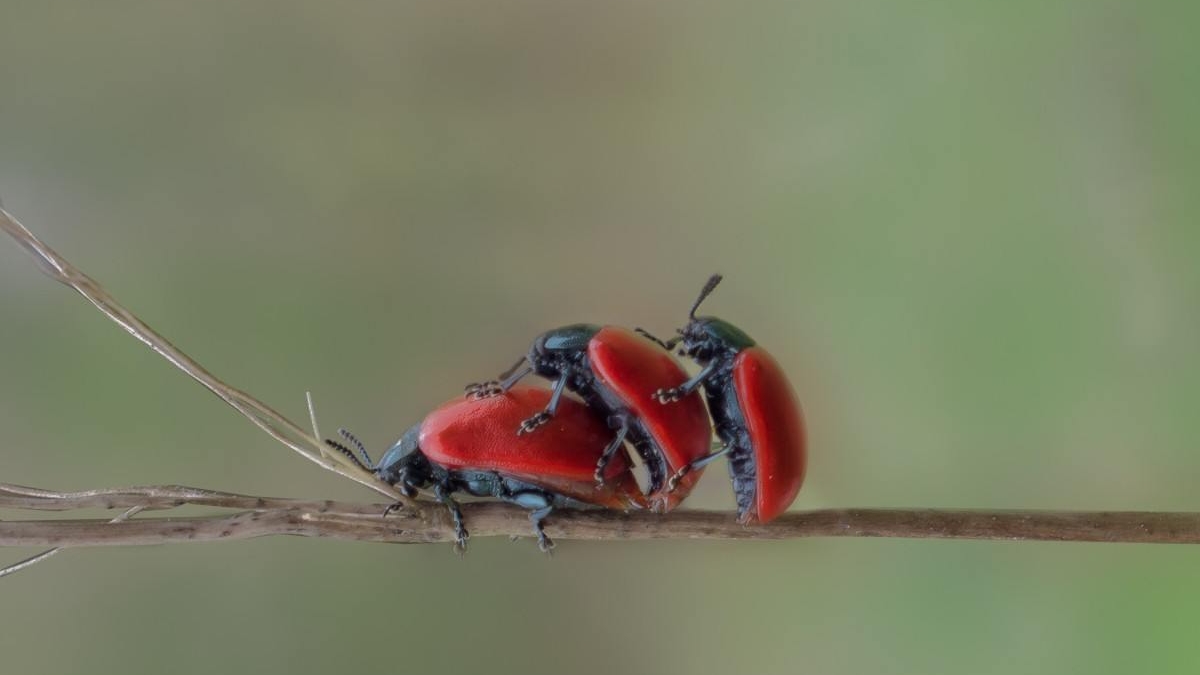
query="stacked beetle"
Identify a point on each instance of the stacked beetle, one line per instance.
(542, 449)
(617, 373)
(467, 446)
(754, 410)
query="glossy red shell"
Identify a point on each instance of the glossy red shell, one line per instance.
(776, 427)
(634, 368)
(481, 434)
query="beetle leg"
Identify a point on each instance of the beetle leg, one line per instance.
(621, 424)
(485, 389)
(694, 465)
(508, 382)
(665, 396)
(502, 383)
(441, 492)
(545, 543)
(544, 416)
(665, 344)
(541, 504)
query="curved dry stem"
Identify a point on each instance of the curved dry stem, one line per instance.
(363, 522)
(263, 416)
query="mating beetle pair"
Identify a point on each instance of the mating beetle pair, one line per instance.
(634, 385)
(754, 410)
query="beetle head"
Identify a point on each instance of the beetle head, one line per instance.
(704, 337)
(404, 465)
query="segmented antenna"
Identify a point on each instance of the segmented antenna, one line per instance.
(347, 452)
(708, 288)
(358, 444)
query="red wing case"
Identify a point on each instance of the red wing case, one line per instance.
(634, 368)
(776, 427)
(481, 434)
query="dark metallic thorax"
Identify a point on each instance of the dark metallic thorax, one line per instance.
(565, 346)
(572, 338)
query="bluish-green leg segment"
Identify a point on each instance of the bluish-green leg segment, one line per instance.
(442, 493)
(541, 504)
(545, 544)
(545, 415)
(621, 424)
(696, 464)
(673, 394)
(501, 384)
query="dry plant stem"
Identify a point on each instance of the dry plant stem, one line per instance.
(150, 497)
(363, 522)
(33, 560)
(263, 416)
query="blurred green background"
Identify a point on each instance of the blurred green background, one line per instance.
(967, 230)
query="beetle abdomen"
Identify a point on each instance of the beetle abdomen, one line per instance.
(775, 426)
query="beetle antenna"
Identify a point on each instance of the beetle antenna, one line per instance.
(708, 288)
(358, 444)
(347, 452)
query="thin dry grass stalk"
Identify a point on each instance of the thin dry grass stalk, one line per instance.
(262, 415)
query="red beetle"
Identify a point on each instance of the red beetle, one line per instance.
(616, 372)
(754, 409)
(468, 446)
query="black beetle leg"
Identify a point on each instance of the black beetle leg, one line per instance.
(695, 465)
(621, 424)
(544, 416)
(502, 383)
(673, 394)
(485, 389)
(545, 543)
(442, 493)
(541, 504)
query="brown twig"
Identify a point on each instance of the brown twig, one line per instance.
(33, 560)
(263, 516)
(149, 497)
